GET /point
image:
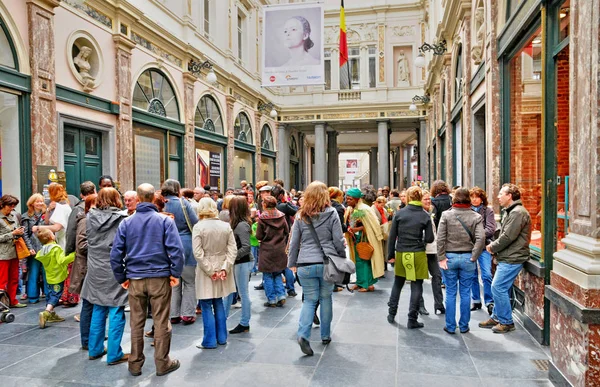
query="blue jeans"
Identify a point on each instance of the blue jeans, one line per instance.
(242, 278)
(33, 285)
(274, 289)
(485, 266)
(459, 275)
(53, 293)
(505, 276)
(315, 289)
(255, 250)
(214, 321)
(116, 326)
(85, 321)
(289, 279)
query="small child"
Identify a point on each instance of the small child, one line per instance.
(52, 256)
(254, 243)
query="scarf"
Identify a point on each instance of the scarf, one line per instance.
(458, 205)
(476, 208)
(416, 203)
(383, 214)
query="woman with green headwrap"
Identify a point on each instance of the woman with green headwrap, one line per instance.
(363, 226)
(411, 230)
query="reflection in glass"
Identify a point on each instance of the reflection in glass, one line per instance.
(210, 165)
(267, 169)
(208, 115)
(10, 171)
(6, 54)
(242, 129)
(154, 93)
(266, 138)
(242, 167)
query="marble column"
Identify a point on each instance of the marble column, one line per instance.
(44, 125)
(320, 153)
(302, 156)
(422, 158)
(574, 290)
(383, 143)
(229, 121)
(189, 142)
(256, 133)
(373, 168)
(333, 174)
(124, 129)
(283, 155)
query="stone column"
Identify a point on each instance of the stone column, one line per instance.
(383, 143)
(229, 121)
(302, 171)
(574, 291)
(258, 147)
(189, 144)
(283, 155)
(124, 135)
(335, 68)
(373, 168)
(44, 126)
(320, 153)
(333, 174)
(422, 141)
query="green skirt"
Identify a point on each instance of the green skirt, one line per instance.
(412, 266)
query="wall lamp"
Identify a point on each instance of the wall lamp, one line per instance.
(438, 49)
(265, 107)
(195, 67)
(420, 99)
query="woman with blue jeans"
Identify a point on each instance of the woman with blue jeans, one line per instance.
(29, 219)
(460, 240)
(479, 204)
(100, 287)
(214, 248)
(240, 222)
(306, 259)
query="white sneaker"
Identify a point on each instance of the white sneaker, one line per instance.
(237, 305)
(127, 309)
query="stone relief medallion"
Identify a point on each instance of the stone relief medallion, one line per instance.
(209, 125)
(404, 30)
(157, 107)
(85, 59)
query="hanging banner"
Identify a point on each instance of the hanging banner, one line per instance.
(293, 45)
(351, 167)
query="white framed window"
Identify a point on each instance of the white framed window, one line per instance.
(372, 66)
(327, 69)
(241, 23)
(354, 61)
(206, 17)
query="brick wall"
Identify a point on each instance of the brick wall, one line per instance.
(562, 137)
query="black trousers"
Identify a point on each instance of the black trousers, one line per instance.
(436, 282)
(416, 293)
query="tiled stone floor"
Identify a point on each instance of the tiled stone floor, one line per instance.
(365, 351)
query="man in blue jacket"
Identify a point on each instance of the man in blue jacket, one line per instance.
(147, 258)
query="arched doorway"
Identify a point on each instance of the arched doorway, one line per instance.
(211, 144)
(243, 161)
(267, 162)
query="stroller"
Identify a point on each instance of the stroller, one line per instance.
(5, 315)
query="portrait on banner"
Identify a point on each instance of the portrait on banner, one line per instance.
(293, 45)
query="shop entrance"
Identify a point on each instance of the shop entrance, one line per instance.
(82, 157)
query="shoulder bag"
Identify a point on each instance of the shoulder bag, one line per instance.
(466, 228)
(336, 270)
(20, 245)
(187, 219)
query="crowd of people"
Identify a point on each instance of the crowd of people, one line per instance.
(174, 253)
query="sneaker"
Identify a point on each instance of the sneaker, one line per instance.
(280, 303)
(240, 329)
(490, 308)
(270, 304)
(77, 317)
(188, 320)
(488, 324)
(98, 356)
(292, 293)
(43, 319)
(259, 287)
(124, 359)
(237, 305)
(53, 318)
(502, 328)
(127, 308)
(19, 305)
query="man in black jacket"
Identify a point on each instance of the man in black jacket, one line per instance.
(289, 211)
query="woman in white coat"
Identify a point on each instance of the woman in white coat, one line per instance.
(215, 251)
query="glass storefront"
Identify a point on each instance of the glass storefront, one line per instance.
(242, 167)
(526, 130)
(210, 164)
(10, 171)
(267, 169)
(149, 157)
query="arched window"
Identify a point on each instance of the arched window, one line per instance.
(242, 129)
(458, 75)
(8, 56)
(154, 93)
(208, 115)
(293, 147)
(266, 138)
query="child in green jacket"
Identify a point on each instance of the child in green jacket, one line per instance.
(52, 256)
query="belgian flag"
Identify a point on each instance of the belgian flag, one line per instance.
(344, 65)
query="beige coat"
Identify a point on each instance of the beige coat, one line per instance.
(215, 250)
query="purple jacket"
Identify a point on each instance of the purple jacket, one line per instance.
(147, 245)
(489, 222)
